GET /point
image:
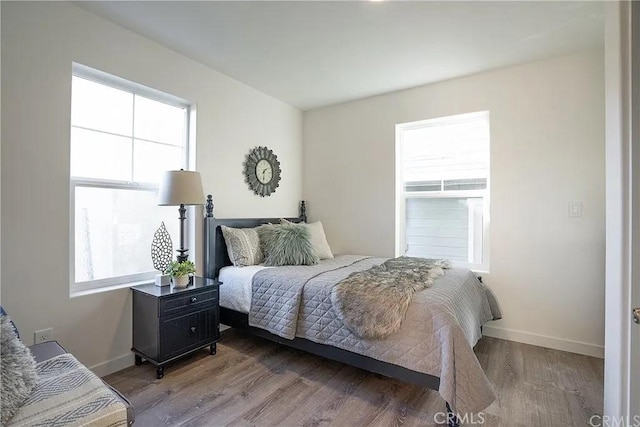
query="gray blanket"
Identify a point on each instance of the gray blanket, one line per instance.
(437, 336)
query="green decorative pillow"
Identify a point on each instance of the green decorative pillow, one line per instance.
(287, 244)
(267, 235)
(18, 371)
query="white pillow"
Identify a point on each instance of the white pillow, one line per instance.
(243, 246)
(319, 240)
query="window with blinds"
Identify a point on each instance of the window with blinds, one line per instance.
(443, 189)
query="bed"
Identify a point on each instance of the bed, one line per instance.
(441, 359)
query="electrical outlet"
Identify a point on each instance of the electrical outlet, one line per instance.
(43, 335)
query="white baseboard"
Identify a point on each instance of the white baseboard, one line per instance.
(126, 360)
(113, 365)
(544, 341)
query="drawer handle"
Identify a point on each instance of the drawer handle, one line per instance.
(194, 299)
(193, 329)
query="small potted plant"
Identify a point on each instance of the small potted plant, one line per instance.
(180, 272)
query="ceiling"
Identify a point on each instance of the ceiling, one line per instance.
(316, 53)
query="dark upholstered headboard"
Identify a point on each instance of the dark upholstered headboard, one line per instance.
(215, 248)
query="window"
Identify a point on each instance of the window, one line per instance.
(443, 189)
(123, 137)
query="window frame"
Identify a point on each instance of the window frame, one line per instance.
(188, 157)
(402, 195)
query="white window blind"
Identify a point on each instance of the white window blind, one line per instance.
(447, 155)
(443, 189)
(123, 137)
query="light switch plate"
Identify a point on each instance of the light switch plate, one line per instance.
(575, 209)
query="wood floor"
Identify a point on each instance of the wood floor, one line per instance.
(252, 381)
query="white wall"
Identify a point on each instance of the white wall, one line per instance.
(39, 43)
(547, 149)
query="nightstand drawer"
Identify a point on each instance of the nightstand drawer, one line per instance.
(190, 302)
(182, 333)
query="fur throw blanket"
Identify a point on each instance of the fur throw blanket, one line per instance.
(18, 375)
(373, 303)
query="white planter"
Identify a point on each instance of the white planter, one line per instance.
(163, 279)
(181, 281)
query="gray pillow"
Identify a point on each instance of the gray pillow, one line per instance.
(287, 244)
(18, 371)
(243, 246)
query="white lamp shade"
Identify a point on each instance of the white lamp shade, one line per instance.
(180, 188)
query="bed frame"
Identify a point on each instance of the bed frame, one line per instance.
(216, 257)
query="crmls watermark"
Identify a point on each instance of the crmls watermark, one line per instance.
(465, 419)
(614, 421)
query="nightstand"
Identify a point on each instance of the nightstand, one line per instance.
(169, 323)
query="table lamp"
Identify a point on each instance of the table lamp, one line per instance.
(181, 188)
